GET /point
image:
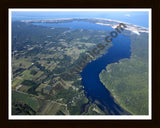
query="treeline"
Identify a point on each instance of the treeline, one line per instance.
(33, 87)
(24, 34)
(22, 109)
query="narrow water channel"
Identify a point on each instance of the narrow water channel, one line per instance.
(94, 89)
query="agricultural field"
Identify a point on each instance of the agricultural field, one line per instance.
(39, 58)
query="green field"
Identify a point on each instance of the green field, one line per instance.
(50, 108)
(27, 99)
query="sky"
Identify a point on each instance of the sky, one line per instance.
(140, 18)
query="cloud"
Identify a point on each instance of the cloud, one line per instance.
(128, 15)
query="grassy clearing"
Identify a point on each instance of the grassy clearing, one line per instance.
(37, 75)
(24, 62)
(26, 75)
(50, 108)
(24, 88)
(17, 81)
(29, 100)
(39, 88)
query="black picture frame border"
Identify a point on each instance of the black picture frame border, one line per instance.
(153, 4)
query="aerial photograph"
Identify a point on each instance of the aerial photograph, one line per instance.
(79, 62)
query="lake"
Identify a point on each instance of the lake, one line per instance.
(77, 25)
(94, 89)
(90, 75)
(133, 17)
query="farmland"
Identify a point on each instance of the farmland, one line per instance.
(40, 55)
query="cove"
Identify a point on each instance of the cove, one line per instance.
(93, 87)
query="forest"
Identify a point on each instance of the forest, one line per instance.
(127, 80)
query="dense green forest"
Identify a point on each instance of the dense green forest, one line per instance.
(128, 80)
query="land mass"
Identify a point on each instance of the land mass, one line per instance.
(40, 55)
(128, 80)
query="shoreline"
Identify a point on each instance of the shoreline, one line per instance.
(90, 19)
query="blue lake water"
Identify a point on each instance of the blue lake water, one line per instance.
(94, 89)
(90, 74)
(134, 17)
(77, 25)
